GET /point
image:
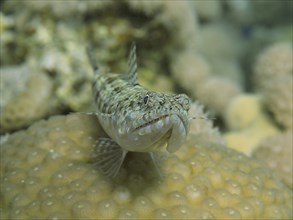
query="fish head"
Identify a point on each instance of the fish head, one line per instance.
(151, 120)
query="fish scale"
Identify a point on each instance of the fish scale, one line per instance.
(135, 118)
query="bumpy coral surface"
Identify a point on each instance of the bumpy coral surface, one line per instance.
(47, 172)
(248, 123)
(243, 111)
(30, 104)
(276, 60)
(189, 70)
(73, 74)
(277, 153)
(216, 93)
(201, 128)
(274, 79)
(13, 81)
(211, 74)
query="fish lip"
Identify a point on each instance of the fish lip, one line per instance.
(151, 122)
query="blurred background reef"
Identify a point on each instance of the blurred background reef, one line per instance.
(233, 58)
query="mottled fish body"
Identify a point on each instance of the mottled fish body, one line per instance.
(135, 118)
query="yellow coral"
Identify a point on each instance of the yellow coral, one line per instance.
(242, 111)
(248, 123)
(47, 172)
(277, 152)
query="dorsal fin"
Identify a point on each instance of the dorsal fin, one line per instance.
(92, 60)
(131, 75)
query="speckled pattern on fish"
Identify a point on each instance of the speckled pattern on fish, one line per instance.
(135, 118)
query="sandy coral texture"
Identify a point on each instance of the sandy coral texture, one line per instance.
(47, 172)
(277, 153)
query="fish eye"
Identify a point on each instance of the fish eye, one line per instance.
(146, 99)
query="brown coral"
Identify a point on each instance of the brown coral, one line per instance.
(46, 172)
(277, 153)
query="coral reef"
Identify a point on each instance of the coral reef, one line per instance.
(34, 100)
(227, 35)
(247, 123)
(207, 10)
(250, 12)
(13, 81)
(155, 82)
(7, 23)
(190, 69)
(201, 127)
(223, 54)
(274, 80)
(243, 111)
(58, 47)
(212, 65)
(274, 61)
(206, 49)
(47, 172)
(208, 93)
(193, 72)
(73, 75)
(63, 9)
(181, 27)
(277, 152)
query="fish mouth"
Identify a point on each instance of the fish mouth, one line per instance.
(150, 122)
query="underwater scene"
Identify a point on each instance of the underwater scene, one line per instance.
(146, 109)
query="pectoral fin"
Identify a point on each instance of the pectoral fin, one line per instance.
(158, 160)
(108, 156)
